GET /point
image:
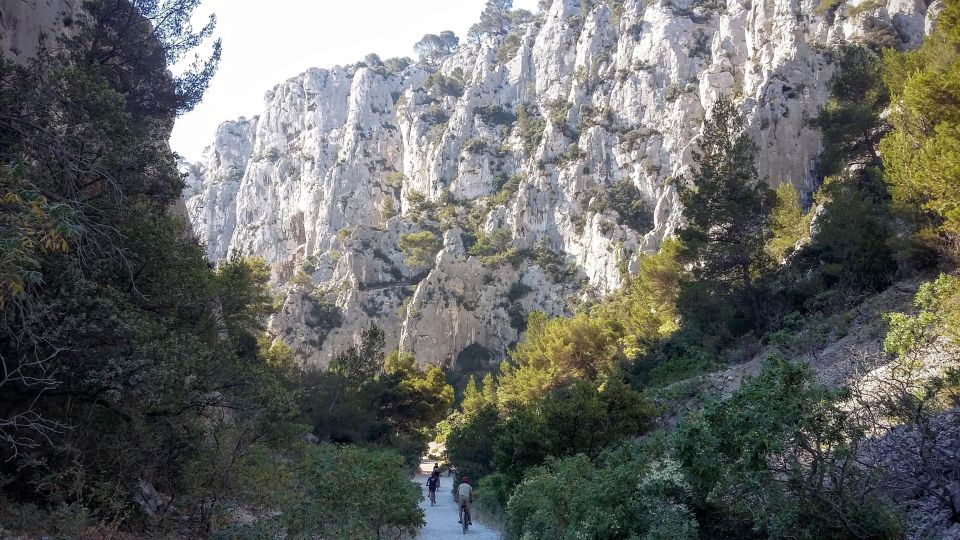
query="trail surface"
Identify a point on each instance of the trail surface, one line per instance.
(441, 519)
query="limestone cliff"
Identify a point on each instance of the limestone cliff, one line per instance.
(519, 146)
(25, 26)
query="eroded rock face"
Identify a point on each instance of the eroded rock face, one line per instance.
(28, 25)
(611, 95)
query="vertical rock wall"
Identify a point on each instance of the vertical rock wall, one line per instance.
(616, 92)
(26, 25)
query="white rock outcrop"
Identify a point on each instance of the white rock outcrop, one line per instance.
(610, 92)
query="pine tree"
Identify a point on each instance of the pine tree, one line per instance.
(851, 121)
(788, 223)
(489, 390)
(472, 398)
(922, 152)
(726, 205)
(494, 20)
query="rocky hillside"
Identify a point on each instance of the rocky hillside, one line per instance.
(445, 200)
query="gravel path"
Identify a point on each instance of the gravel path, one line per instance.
(442, 518)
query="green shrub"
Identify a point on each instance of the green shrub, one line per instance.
(851, 247)
(850, 121)
(517, 291)
(387, 209)
(558, 110)
(442, 85)
(633, 138)
(62, 521)
(475, 146)
(506, 188)
(493, 492)
(508, 49)
(679, 367)
(590, 116)
(470, 443)
(779, 457)
(495, 115)
(496, 248)
(574, 153)
(420, 248)
(672, 92)
(789, 222)
(627, 497)
(827, 5)
(435, 116)
(394, 179)
(394, 66)
(919, 153)
(352, 492)
(626, 200)
(435, 133)
(530, 127)
(579, 223)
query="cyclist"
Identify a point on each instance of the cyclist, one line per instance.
(464, 498)
(433, 483)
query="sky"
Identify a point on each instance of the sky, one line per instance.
(266, 43)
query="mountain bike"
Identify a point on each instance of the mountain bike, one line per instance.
(465, 518)
(433, 497)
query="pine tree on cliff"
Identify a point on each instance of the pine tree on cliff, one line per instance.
(495, 20)
(727, 207)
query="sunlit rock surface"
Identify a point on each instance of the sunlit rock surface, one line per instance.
(310, 183)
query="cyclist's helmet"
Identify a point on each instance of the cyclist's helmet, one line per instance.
(466, 478)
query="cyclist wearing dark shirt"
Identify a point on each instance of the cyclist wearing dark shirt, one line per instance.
(433, 484)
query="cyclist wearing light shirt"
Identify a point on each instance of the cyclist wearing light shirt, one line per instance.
(464, 497)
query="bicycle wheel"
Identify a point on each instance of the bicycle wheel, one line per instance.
(466, 519)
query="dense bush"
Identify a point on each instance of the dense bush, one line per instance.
(558, 110)
(789, 223)
(470, 443)
(124, 353)
(420, 248)
(495, 248)
(443, 85)
(495, 115)
(368, 397)
(530, 127)
(556, 353)
(626, 200)
(338, 492)
(850, 121)
(143, 395)
(585, 417)
(508, 49)
(626, 495)
(851, 247)
(920, 152)
(781, 457)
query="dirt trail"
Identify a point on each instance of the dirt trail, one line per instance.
(441, 519)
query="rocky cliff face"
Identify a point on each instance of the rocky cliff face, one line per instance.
(503, 170)
(25, 26)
